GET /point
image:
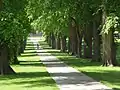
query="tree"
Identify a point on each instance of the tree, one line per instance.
(110, 24)
(14, 26)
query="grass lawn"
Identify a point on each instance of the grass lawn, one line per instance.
(31, 74)
(110, 76)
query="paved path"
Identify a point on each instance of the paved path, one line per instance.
(68, 78)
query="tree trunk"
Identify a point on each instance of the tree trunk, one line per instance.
(79, 40)
(25, 42)
(96, 42)
(107, 49)
(113, 56)
(63, 44)
(80, 45)
(50, 39)
(15, 54)
(58, 46)
(21, 47)
(53, 41)
(47, 39)
(85, 49)
(73, 36)
(4, 62)
(88, 41)
(69, 46)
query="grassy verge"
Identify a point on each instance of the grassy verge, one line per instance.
(31, 74)
(109, 76)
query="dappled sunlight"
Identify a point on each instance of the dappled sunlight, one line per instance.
(107, 75)
(31, 81)
(30, 73)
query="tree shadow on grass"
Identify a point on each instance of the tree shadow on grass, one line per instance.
(59, 54)
(34, 83)
(44, 45)
(29, 55)
(25, 75)
(29, 44)
(29, 61)
(29, 49)
(46, 48)
(30, 52)
(77, 62)
(31, 79)
(107, 76)
(31, 64)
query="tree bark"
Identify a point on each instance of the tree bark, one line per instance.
(107, 52)
(58, 45)
(113, 56)
(15, 54)
(4, 62)
(50, 39)
(73, 36)
(63, 44)
(108, 48)
(96, 42)
(21, 47)
(79, 41)
(53, 41)
(88, 41)
(69, 45)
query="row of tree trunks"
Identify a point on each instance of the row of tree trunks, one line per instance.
(75, 38)
(92, 41)
(57, 41)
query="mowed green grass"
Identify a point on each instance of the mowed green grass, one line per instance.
(109, 76)
(30, 74)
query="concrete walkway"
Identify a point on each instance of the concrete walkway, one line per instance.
(67, 78)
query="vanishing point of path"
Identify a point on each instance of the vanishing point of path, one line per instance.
(66, 77)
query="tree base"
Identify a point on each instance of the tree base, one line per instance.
(6, 71)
